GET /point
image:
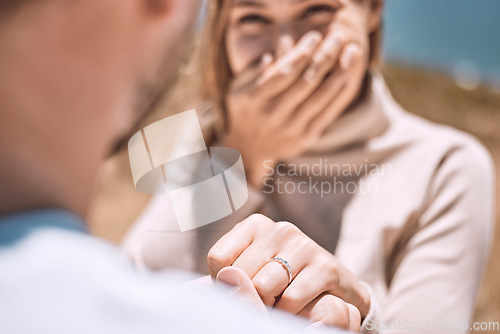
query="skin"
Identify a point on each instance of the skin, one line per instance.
(76, 77)
(322, 289)
(297, 66)
(279, 85)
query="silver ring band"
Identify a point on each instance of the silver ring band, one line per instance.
(284, 264)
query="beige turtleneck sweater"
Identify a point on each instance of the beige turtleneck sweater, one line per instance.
(405, 204)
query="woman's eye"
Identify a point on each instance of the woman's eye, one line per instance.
(318, 10)
(253, 19)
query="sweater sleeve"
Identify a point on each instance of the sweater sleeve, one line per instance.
(434, 286)
(155, 241)
(374, 314)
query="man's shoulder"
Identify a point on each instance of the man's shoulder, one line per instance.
(53, 278)
(57, 272)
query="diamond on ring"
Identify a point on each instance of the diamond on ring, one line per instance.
(284, 264)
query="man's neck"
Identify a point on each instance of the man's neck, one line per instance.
(29, 183)
(59, 112)
(41, 171)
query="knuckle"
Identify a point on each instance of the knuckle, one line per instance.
(332, 271)
(328, 302)
(343, 310)
(305, 245)
(287, 228)
(258, 218)
(335, 311)
(216, 258)
(240, 225)
(292, 301)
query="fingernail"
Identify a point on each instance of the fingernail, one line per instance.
(312, 39)
(230, 277)
(333, 42)
(267, 58)
(286, 43)
(349, 56)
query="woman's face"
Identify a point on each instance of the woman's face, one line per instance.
(256, 26)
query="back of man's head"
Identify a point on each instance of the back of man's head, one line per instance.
(76, 76)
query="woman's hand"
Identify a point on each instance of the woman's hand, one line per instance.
(326, 309)
(316, 274)
(279, 108)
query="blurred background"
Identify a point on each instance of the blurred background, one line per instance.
(441, 61)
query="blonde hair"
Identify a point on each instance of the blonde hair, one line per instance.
(216, 73)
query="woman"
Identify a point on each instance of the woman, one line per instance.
(394, 213)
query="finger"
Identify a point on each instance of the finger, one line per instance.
(323, 62)
(328, 310)
(321, 121)
(320, 100)
(285, 71)
(225, 251)
(350, 59)
(241, 283)
(249, 76)
(328, 94)
(255, 257)
(355, 318)
(305, 287)
(272, 280)
(330, 278)
(351, 53)
(325, 59)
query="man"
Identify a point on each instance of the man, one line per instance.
(76, 76)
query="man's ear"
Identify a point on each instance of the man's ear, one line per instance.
(375, 8)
